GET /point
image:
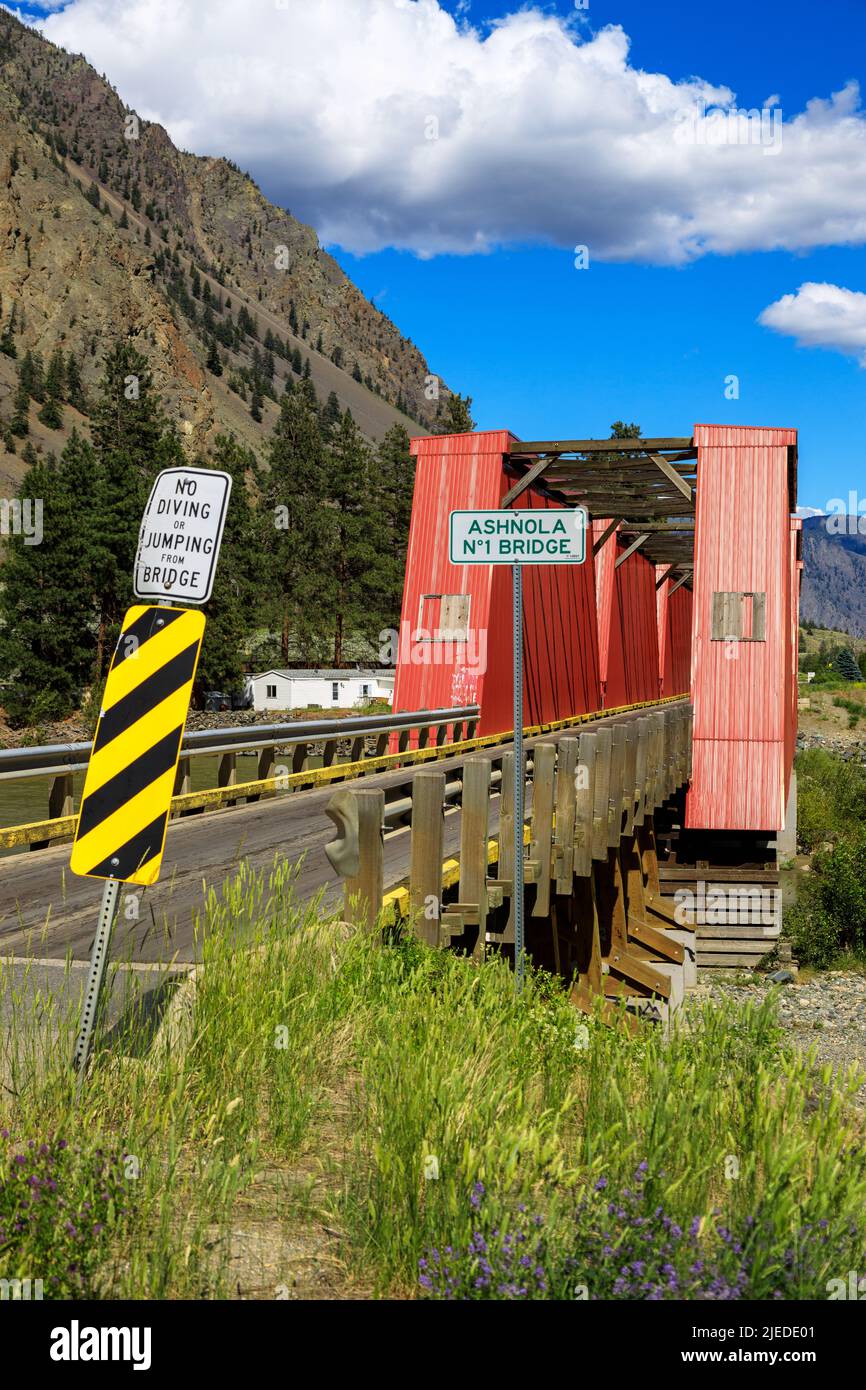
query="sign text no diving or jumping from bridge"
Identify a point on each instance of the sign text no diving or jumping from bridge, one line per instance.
(181, 534)
(130, 777)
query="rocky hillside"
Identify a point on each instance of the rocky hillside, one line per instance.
(106, 228)
(834, 575)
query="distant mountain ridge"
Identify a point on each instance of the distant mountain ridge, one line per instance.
(106, 228)
(834, 574)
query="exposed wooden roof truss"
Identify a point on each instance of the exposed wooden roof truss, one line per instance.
(645, 486)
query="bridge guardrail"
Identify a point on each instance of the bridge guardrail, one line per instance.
(63, 760)
(42, 761)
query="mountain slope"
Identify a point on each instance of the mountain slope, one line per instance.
(834, 575)
(106, 228)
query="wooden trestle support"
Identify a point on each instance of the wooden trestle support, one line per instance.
(594, 908)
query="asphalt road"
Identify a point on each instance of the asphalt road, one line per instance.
(48, 912)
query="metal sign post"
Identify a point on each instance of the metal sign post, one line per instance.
(519, 777)
(528, 536)
(93, 988)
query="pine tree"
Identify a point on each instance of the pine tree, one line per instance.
(214, 361)
(350, 592)
(7, 337)
(124, 220)
(20, 422)
(331, 414)
(846, 665)
(47, 605)
(394, 482)
(74, 389)
(31, 374)
(132, 442)
(456, 418)
(231, 609)
(295, 524)
(51, 413)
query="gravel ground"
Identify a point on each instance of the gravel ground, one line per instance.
(826, 1011)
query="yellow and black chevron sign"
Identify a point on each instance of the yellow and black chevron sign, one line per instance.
(130, 777)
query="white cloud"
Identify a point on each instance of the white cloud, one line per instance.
(545, 133)
(819, 315)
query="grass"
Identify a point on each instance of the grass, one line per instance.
(827, 922)
(360, 1096)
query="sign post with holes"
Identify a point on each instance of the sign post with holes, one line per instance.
(126, 801)
(548, 536)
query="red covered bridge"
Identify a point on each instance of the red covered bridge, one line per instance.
(693, 590)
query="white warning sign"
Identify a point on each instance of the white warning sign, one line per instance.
(180, 535)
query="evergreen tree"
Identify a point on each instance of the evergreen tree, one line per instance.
(846, 665)
(20, 422)
(295, 524)
(133, 443)
(214, 361)
(331, 413)
(124, 220)
(392, 503)
(51, 413)
(47, 606)
(231, 609)
(31, 375)
(74, 389)
(456, 418)
(7, 337)
(350, 589)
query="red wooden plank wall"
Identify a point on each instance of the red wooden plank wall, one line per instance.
(741, 691)
(674, 625)
(452, 472)
(560, 631)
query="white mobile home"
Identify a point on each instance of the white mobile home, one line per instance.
(302, 689)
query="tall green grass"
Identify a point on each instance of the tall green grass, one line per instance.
(405, 1077)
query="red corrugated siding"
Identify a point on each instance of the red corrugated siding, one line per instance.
(674, 625)
(452, 471)
(560, 641)
(627, 623)
(560, 634)
(741, 691)
(636, 611)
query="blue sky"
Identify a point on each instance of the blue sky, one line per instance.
(549, 351)
(552, 135)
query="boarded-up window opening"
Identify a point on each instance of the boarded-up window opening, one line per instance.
(739, 617)
(443, 618)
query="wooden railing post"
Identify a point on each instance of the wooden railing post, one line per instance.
(227, 772)
(426, 853)
(566, 802)
(365, 889)
(601, 794)
(617, 771)
(544, 759)
(506, 838)
(474, 823)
